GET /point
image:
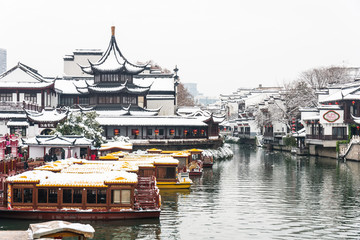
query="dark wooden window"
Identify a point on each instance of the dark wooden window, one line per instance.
(339, 132)
(84, 100)
(149, 131)
(72, 196)
(166, 172)
(96, 196)
(161, 131)
(22, 195)
(47, 195)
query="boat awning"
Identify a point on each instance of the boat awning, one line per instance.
(17, 124)
(59, 229)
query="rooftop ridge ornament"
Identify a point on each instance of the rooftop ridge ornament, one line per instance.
(112, 30)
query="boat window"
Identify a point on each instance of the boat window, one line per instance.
(67, 196)
(72, 196)
(166, 172)
(195, 156)
(125, 196)
(91, 196)
(28, 195)
(47, 195)
(53, 195)
(115, 196)
(77, 196)
(101, 196)
(17, 195)
(22, 195)
(42, 195)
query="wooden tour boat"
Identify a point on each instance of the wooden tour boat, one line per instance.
(76, 189)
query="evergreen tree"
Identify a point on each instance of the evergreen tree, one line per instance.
(83, 124)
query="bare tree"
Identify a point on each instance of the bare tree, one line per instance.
(321, 77)
(184, 98)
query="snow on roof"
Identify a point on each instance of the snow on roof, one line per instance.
(22, 76)
(12, 115)
(116, 144)
(312, 117)
(67, 86)
(52, 115)
(39, 230)
(55, 140)
(150, 121)
(64, 179)
(17, 123)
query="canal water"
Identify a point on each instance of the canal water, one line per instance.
(254, 195)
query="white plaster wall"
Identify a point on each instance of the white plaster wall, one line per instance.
(54, 99)
(168, 107)
(72, 69)
(38, 99)
(36, 151)
(21, 97)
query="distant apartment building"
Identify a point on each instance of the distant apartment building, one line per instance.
(2, 60)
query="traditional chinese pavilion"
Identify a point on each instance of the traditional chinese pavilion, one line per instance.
(113, 87)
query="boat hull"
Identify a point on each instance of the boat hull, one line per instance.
(170, 185)
(208, 165)
(195, 173)
(78, 215)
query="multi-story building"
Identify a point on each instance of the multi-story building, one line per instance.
(134, 100)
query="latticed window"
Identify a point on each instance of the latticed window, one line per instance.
(129, 99)
(7, 97)
(31, 97)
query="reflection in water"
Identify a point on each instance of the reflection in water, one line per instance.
(256, 194)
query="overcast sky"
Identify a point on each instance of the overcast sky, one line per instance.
(221, 45)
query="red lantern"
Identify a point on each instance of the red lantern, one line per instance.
(336, 103)
(156, 131)
(358, 127)
(353, 102)
(172, 131)
(137, 132)
(185, 131)
(195, 131)
(202, 131)
(329, 103)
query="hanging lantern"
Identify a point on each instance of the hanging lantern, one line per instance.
(195, 131)
(336, 103)
(185, 131)
(293, 125)
(358, 127)
(202, 131)
(156, 131)
(172, 131)
(137, 132)
(330, 103)
(353, 102)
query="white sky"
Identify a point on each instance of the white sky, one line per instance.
(221, 45)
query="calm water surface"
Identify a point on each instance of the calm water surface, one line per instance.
(255, 195)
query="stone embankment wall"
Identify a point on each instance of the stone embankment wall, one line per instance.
(354, 153)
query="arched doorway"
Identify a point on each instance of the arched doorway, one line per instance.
(46, 131)
(58, 152)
